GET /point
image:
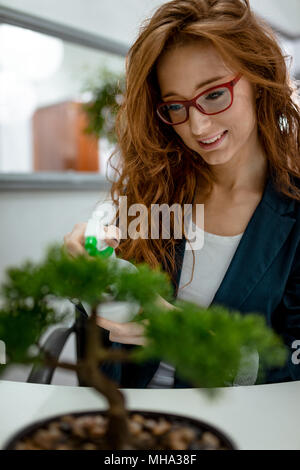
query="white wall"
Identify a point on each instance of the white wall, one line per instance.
(114, 19)
(120, 19)
(30, 220)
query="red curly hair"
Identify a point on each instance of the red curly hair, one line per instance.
(155, 166)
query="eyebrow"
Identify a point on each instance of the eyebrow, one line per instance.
(200, 85)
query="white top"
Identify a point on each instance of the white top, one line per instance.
(211, 263)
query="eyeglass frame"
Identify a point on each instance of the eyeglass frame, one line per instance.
(193, 102)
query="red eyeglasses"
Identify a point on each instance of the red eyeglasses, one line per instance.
(215, 100)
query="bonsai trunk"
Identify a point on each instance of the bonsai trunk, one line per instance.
(118, 435)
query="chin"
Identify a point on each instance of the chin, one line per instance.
(216, 159)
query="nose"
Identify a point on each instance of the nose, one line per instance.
(199, 122)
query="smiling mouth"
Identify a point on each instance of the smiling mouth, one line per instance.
(214, 142)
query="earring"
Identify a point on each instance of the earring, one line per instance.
(258, 93)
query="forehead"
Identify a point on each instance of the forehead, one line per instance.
(181, 68)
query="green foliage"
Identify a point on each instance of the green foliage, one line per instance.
(206, 345)
(21, 328)
(143, 285)
(103, 107)
(80, 278)
(88, 279)
(29, 292)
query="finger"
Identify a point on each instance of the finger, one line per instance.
(78, 232)
(75, 248)
(113, 235)
(137, 340)
(128, 329)
(74, 241)
(105, 323)
(161, 302)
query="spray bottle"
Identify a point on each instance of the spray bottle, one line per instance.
(95, 245)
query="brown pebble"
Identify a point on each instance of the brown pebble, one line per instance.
(150, 423)
(63, 447)
(188, 434)
(180, 438)
(162, 426)
(100, 420)
(20, 446)
(78, 429)
(82, 426)
(135, 427)
(97, 431)
(175, 441)
(86, 421)
(89, 446)
(209, 439)
(42, 439)
(54, 432)
(26, 445)
(65, 428)
(138, 418)
(54, 426)
(68, 419)
(146, 439)
(30, 446)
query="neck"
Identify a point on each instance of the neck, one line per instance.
(244, 171)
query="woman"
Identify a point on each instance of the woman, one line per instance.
(210, 117)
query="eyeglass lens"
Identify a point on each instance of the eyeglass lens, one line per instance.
(213, 102)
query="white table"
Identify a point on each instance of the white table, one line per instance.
(256, 417)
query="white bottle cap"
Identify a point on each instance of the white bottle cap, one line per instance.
(91, 228)
(101, 245)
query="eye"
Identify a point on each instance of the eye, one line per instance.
(214, 95)
(174, 107)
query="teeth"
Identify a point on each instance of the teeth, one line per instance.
(212, 140)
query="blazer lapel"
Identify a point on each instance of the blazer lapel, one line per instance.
(264, 236)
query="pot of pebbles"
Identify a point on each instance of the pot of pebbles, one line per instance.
(149, 430)
(29, 307)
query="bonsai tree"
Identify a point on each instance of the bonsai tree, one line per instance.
(212, 341)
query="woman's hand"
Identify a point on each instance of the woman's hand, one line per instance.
(74, 241)
(130, 332)
(161, 302)
(125, 333)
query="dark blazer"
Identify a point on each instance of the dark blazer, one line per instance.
(263, 277)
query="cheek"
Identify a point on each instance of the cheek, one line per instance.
(244, 116)
(182, 131)
(247, 122)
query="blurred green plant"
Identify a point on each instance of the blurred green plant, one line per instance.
(208, 345)
(106, 93)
